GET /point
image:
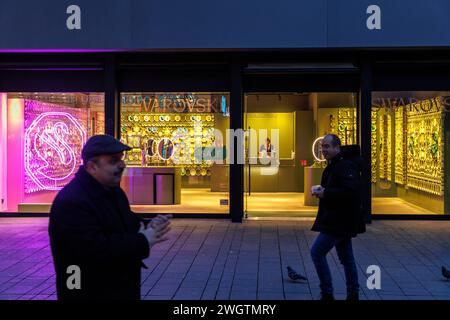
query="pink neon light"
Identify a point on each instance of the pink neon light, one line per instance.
(3, 148)
(53, 143)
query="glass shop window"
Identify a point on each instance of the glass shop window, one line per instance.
(409, 161)
(41, 138)
(178, 161)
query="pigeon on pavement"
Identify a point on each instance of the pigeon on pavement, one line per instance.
(293, 275)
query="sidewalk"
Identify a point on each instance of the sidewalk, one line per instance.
(216, 259)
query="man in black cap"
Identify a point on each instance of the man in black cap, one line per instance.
(97, 242)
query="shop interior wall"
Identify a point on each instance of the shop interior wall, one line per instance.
(292, 174)
(390, 189)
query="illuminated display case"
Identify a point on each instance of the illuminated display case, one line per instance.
(44, 136)
(400, 142)
(347, 125)
(174, 129)
(189, 135)
(343, 123)
(417, 149)
(425, 156)
(373, 141)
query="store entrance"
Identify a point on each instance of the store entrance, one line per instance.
(283, 156)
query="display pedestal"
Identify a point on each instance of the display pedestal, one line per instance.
(152, 185)
(312, 178)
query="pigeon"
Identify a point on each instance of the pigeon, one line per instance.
(293, 275)
(445, 273)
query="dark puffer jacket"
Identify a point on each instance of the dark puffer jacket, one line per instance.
(340, 211)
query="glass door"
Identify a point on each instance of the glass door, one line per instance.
(283, 159)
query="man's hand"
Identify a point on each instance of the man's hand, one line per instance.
(160, 219)
(152, 222)
(320, 193)
(156, 233)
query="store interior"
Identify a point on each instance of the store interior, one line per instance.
(410, 133)
(407, 150)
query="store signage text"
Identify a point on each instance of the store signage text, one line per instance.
(73, 21)
(412, 104)
(173, 104)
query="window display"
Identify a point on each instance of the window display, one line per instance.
(408, 151)
(44, 133)
(182, 132)
(52, 144)
(189, 135)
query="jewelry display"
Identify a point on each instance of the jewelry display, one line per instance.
(189, 135)
(418, 147)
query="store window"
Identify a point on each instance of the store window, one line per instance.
(178, 161)
(409, 160)
(42, 135)
(283, 159)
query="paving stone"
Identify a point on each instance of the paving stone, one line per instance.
(270, 296)
(243, 295)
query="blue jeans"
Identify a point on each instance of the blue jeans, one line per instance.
(323, 244)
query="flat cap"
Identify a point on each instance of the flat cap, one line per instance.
(102, 144)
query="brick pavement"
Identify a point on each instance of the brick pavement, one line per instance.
(216, 259)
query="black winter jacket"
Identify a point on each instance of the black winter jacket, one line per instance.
(94, 228)
(340, 211)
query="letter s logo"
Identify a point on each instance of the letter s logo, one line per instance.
(73, 22)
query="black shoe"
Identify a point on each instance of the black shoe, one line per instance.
(293, 275)
(326, 297)
(353, 296)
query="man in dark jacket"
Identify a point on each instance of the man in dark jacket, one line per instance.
(97, 242)
(339, 218)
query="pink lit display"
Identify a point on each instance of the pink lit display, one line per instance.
(54, 137)
(3, 148)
